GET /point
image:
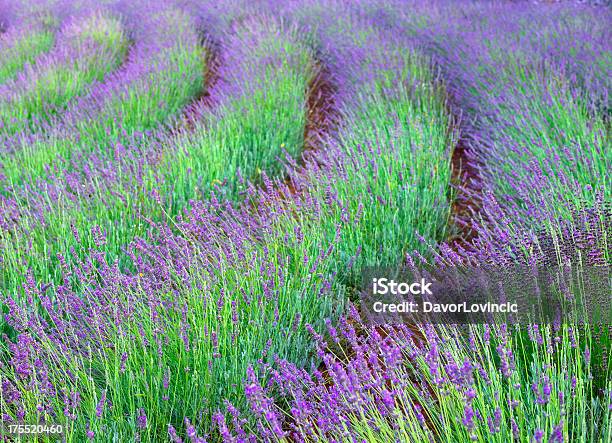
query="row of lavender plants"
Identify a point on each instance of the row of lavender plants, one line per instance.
(15, 18)
(540, 135)
(260, 103)
(87, 49)
(22, 45)
(29, 31)
(535, 90)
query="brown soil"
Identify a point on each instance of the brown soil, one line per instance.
(322, 115)
(211, 73)
(466, 180)
(467, 183)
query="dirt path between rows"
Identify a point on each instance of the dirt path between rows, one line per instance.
(212, 63)
(467, 184)
(321, 113)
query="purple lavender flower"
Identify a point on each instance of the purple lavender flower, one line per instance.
(141, 420)
(538, 436)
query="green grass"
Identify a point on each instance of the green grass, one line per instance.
(23, 50)
(95, 46)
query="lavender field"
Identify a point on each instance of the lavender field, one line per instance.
(192, 190)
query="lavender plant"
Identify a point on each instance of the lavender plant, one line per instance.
(440, 384)
(422, 382)
(19, 48)
(89, 48)
(535, 99)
